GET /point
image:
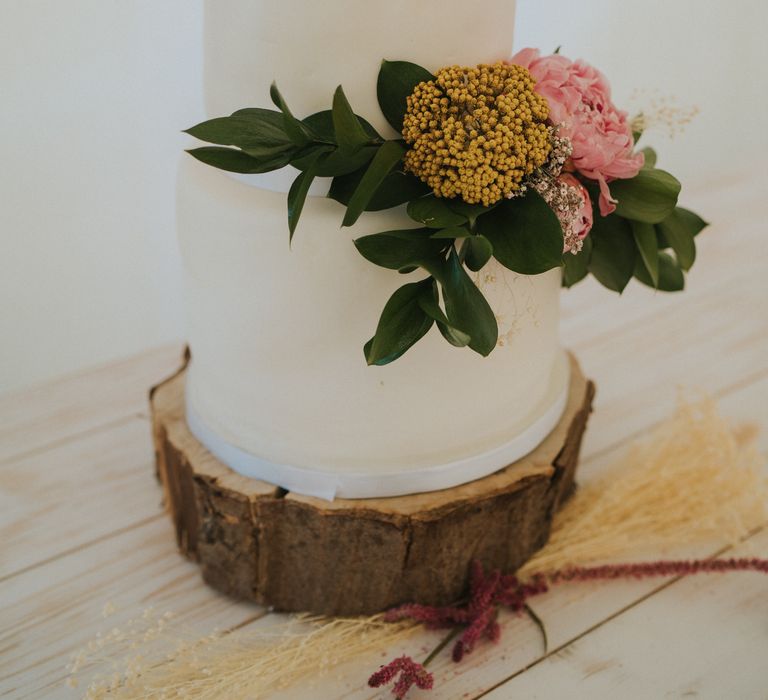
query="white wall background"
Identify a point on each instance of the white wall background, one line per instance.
(94, 93)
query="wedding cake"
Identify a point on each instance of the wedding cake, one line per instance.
(278, 387)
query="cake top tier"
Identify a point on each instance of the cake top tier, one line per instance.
(310, 46)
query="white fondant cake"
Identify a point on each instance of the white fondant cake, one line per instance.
(278, 385)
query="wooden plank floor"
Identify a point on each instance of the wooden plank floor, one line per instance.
(81, 524)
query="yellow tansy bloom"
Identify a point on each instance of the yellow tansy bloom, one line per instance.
(475, 133)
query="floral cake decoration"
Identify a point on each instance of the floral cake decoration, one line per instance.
(527, 161)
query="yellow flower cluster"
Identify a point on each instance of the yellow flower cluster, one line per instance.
(475, 133)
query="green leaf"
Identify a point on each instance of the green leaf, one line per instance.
(396, 81)
(297, 132)
(258, 132)
(525, 234)
(235, 161)
(429, 302)
(386, 158)
(297, 195)
(676, 231)
(650, 157)
(349, 132)
(693, 223)
(650, 196)
(576, 265)
(671, 277)
(467, 308)
(337, 162)
(469, 211)
(396, 188)
(613, 251)
(477, 252)
(645, 240)
(321, 125)
(402, 323)
(434, 212)
(452, 232)
(399, 250)
(272, 115)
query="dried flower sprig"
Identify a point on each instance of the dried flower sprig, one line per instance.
(408, 673)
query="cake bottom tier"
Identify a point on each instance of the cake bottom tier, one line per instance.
(256, 541)
(399, 477)
(278, 386)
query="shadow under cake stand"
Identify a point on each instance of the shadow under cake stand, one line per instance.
(255, 541)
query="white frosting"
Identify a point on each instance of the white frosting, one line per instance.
(310, 47)
(399, 478)
(276, 334)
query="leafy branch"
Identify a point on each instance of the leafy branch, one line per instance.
(648, 237)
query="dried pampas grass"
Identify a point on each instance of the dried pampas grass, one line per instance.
(150, 658)
(694, 479)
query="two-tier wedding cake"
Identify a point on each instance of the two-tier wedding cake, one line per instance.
(278, 387)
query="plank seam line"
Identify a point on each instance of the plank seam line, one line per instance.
(692, 298)
(638, 434)
(85, 372)
(82, 545)
(72, 437)
(59, 681)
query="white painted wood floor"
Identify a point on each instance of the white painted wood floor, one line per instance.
(81, 522)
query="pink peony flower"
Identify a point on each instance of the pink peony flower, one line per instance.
(580, 104)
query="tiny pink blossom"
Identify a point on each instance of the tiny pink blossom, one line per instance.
(579, 99)
(581, 223)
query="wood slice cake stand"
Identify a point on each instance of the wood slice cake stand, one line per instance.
(256, 541)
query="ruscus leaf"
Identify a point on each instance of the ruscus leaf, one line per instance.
(296, 130)
(396, 188)
(467, 308)
(396, 81)
(477, 252)
(297, 195)
(671, 277)
(525, 233)
(399, 250)
(645, 240)
(650, 196)
(349, 132)
(386, 158)
(235, 161)
(434, 212)
(402, 323)
(576, 265)
(429, 302)
(613, 251)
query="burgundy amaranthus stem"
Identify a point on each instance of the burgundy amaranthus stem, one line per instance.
(410, 673)
(477, 616)
(657, 568)
(482, 608)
